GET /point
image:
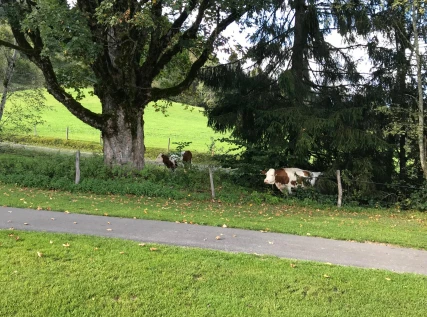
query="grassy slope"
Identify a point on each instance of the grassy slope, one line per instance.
(93, 276)
(180, 125)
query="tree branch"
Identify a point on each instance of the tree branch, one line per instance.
(166, 57)
(44, 64)
(158, 93)
(16, 47)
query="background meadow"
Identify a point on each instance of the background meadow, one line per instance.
(181, 123)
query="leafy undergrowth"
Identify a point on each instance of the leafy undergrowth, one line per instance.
(45, 274)
(407, 229)
(57, 171)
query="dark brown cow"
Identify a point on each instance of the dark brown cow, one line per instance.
(186, 156)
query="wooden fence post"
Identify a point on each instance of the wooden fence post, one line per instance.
(66, 133)
(78, 167)
(100, 138)
(169, 143)
(212, 183)
(339, 188)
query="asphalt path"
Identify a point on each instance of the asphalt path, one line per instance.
(365, 255)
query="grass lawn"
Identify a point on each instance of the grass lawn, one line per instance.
(407, 229)
(45, 274)
(181, 125)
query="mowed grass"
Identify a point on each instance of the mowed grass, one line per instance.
(46, 274)
(182, 124)
(408, 229)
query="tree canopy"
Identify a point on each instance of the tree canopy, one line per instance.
(123, 49)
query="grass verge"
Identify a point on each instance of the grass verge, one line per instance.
(45, 274)
(408, 229)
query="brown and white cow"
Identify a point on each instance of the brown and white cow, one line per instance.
(172, 160)
(290, 177)
(169, 163)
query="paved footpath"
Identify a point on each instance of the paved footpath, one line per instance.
(366, 255)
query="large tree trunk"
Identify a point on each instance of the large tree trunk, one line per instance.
(420, 101)
(403, 160)
(124, 139)
(299, 50)
(300, 40)
(7, 79)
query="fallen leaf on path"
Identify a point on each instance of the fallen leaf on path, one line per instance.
(66, 245)
(153, 249)
(25, 223)
(292, 265)
(109, 229)
(142, 244)
(326, 276)
(388, 279)
(218, 237)
(224, 225)
(39, 254)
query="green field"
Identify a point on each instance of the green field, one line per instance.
(182, 124)
(46, 274)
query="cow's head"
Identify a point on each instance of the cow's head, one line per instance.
(159, 158)
(270, 176)
(314, 176)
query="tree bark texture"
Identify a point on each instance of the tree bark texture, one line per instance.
(124, 139)
(6, 81)
(299, 59)
(420, 102)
